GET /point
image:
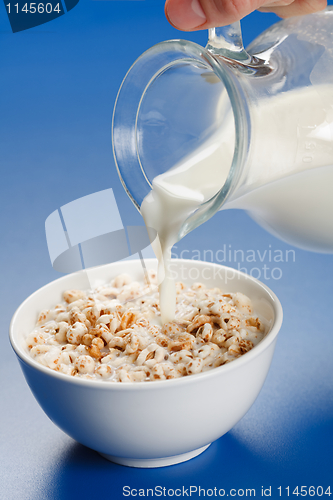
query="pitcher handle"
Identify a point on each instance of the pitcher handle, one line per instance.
(227, 42)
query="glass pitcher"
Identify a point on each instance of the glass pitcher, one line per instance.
(258, 123)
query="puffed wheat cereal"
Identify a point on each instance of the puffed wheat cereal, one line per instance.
(113, 333)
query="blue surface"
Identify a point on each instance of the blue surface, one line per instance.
(58, 85)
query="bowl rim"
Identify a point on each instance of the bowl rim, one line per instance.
(159, 384)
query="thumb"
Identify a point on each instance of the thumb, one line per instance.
(191, 15)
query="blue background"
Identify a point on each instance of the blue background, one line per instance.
(58, 84)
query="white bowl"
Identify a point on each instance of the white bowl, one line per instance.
(150, 424)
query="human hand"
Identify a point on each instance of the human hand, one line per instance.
(191, 15)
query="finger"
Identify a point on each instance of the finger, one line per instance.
(269, 5)
(191, 15)
(295, 8)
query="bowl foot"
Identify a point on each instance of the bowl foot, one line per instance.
(155, 462)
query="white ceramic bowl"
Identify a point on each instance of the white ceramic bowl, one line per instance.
(150, 424)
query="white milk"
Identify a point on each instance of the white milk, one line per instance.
(297, 207)
(176, 194)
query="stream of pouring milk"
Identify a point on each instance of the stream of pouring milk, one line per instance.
(297, 207)
(176, 194)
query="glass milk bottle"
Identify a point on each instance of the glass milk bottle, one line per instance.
(253, 128)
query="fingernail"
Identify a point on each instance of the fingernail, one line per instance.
(185, 14)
